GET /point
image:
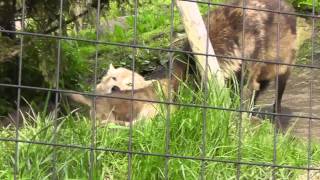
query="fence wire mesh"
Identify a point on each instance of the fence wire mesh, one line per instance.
(239, 162)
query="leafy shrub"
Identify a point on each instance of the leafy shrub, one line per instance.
(306, 5)
(39, 64)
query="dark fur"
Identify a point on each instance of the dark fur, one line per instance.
(225, 28)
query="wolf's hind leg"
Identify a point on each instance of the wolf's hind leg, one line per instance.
(282, 81)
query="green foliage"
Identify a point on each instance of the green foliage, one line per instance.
(39, 64)
(306, 5)
(40, 55)
(153, 30)
(186, 135)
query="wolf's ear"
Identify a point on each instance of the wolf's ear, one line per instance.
(235, 17)
(150, 82)
(111, 67)
(235, 12)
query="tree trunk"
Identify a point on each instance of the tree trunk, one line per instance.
(7, 15)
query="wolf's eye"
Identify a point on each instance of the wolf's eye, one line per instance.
(129, 84)
(114, 78)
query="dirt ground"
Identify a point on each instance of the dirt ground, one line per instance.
(298, 102)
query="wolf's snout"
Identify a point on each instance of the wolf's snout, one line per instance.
(115, 89)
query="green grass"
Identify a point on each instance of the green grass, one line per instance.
(186, 134)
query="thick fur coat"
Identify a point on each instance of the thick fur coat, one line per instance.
(117, 84)
(257, 35)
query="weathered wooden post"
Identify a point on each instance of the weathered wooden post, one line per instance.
(197, 36)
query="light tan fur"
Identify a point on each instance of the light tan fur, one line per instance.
(118, 107)
(122, 78)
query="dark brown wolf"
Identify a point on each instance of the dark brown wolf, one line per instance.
(258, 35)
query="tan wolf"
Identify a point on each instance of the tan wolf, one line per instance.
(118, 106)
